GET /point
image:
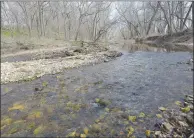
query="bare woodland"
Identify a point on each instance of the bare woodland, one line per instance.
(95, 21)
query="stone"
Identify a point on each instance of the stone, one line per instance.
(162, 109)
(106, 60)
(124, 116)
(67, 53)
(183, 124)
(189, 98)
(157, 133)
(186, 103)
(189, 118)
(119, 54)
(167, 126)
(191, 136)
(191, 107)
(78, 50)
(96, 128)
(190, 61)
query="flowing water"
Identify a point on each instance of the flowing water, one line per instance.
(56, 105)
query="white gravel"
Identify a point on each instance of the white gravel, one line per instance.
(26, 70)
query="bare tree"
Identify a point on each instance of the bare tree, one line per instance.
(94, 21)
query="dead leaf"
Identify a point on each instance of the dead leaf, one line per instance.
(83, 136)
(162, 109)
(17, 106)
(186, 109)
(141, 115)
(132, 118)
(86, 130)
(159, 115)
(147, 132)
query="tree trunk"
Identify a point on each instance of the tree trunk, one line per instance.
(187, 14)
(181, 14)
(151, 20)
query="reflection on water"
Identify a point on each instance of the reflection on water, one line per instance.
(132, 47)
(102, 100)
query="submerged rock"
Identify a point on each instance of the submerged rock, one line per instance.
(158, 133)
(102, 102)
(167, 126)
(190, 61)
(78, 50)
(106, 60)
(189, 118)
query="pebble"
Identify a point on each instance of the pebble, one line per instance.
(167, 126)
(189, 118)
(191, 136)
(157, 133)
(106, 60)
(183, 124)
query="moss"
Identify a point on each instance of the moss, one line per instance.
(42, 101)
(159, 115)
(162, 109)
(130, 131)
(31, 125)
(12, 131)
(86, 130)
(102, 102)
(141, 115)
(73, 134)
(96, 128)
(34, 115)
(186, 109)
(115, 109)
(132, 118)
(64, 117)
(39, 130)
(29, 78)
(44, 84)
(17, 106)
(83, 89)
(74, 106)
(3, 127)
(6, 121)
(83, 135)
(107, 109)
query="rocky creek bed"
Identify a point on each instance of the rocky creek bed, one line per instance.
(136, 95)
(34, 63)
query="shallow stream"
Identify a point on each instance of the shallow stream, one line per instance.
(57, 105)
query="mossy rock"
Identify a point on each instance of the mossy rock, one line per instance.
(102, 102)
(35, 115)
(6, 121)
(39, 130)
(74, 106)
(96, 128)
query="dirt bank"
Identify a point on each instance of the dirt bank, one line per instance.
(180, 41)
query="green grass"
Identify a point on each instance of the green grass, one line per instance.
(13, 33)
